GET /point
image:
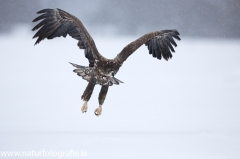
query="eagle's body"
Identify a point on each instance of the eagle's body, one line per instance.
(56, 23)
(102, 71)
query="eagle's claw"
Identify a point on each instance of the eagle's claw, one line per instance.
(84, 107)
(98, 111)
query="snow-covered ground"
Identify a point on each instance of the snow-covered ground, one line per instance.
(185, 108)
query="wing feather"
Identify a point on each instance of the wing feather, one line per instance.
(159, 44)
(57, 23)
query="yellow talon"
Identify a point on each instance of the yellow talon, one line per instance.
(98, 111)
(84, 107)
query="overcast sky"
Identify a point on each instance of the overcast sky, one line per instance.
(204, 18)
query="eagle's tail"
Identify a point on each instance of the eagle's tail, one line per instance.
(82, 71)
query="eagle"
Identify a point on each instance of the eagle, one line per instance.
(56, 23)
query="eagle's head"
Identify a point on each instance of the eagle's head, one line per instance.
(111, 74)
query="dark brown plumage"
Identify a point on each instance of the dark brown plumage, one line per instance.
(57, 23)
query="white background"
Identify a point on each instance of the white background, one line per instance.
(187, 107)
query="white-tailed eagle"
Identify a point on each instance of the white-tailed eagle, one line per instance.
(102, 71)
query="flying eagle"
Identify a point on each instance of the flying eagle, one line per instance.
(102, 71)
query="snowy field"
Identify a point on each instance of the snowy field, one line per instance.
(185, 108)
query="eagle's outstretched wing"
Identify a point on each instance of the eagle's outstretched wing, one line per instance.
(57, 23)
(159, 44)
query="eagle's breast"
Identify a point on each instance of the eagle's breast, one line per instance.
(102, 68)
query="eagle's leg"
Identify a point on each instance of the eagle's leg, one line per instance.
(101, 98)
(87, 94)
